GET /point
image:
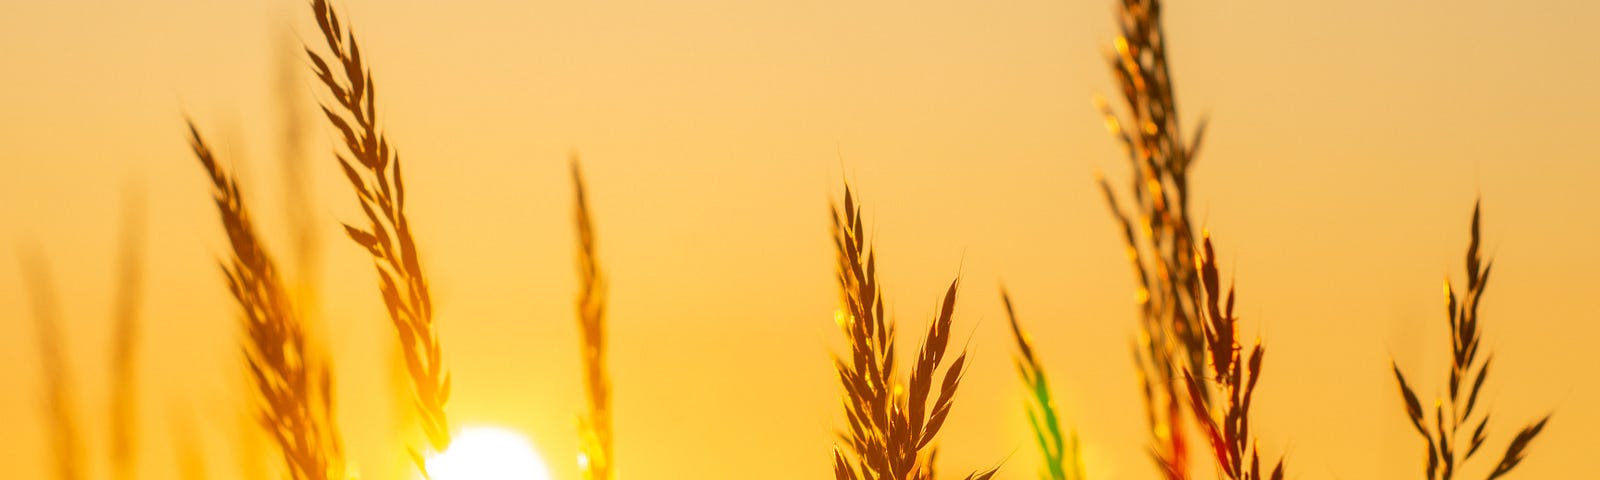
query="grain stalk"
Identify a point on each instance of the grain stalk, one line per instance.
(1157, 229)
(595, 455)
(1063, 455)
(1458, 413)
(373, 169)
(294, 385)
(891, 429)
(1226, 425)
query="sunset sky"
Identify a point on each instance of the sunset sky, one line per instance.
(1348, 140)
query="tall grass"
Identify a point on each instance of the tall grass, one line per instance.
(71, 462)
(294, 385)
(372, 167)
(60, 401)
(305, 252)
(1156, 227)
(1234, 375)
(595, 457)
(125, 311)
(1458, 414)
(1063, 455)
(1195, 374)
(891, 429)
(67, 445)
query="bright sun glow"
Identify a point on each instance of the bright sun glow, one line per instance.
(488, 454)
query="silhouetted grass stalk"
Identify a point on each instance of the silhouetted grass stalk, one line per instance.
(1457, 414)
(891, 428)
(373, 170)
(1227, 425)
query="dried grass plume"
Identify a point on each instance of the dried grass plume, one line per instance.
(1459, 429)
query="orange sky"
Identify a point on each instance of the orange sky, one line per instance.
(1348, 140)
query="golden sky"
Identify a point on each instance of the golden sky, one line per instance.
(1348, 140)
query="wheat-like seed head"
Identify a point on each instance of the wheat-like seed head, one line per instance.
(1456, 415)
(1157, 230)
(373, 170)
(891, 426)
(294, 385)
(1225, 417)
(596, 453)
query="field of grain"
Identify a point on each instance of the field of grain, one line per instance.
(587, 241)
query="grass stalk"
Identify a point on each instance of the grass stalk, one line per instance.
(1233, 374)
(60, 401)
(306, 250)
(891, 428)
(293, 381)
(125, 313)
(372, 167)
(1157, 229)
(1063, 455)
(595, 455)
(1458, 413)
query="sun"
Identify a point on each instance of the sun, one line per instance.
(487, 453)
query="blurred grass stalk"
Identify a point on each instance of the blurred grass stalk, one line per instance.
(292, 377)
(595, 454)
(60, 401)
(1157, 229)
(1063, 455)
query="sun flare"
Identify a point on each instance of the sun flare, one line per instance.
(487, 453)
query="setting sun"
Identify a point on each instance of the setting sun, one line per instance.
(488, 453)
